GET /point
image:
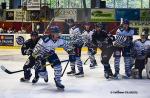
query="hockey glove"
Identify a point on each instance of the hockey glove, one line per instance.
(92, 51)
(99, 44)
(29, 52)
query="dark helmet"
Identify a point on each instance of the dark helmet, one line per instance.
(55, 29)
(87, 24)
(126, 21)
(34, 33)
(70, 21)
(100, 25)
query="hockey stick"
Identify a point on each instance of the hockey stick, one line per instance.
(121, 22)
(12, 72)
(65, 69)
(56, 14)
(86, 60)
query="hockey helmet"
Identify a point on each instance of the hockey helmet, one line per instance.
(34, 33)
(77, 31)
(99, 25)
(55, 29)
(144, 33)
(87, 24)
(70, 21)
(126, 21)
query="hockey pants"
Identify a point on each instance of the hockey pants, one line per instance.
(27, 67)
(128, 65)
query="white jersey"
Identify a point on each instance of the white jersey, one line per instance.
(87, 36)
(74, 31)
(121, 37)
(51, 45)
(46, 44)
(141, 49)
(76, 36)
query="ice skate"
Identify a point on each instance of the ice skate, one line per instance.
(117, 76)
(92, 66)
(71, 73)
(106, 74)
(46, 78)
(59, 85)
(24, 80)
(35, 80)
(79, 74)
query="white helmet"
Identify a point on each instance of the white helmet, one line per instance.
(76, 31)
(144, 33)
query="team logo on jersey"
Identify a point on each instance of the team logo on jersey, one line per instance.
(20, 40)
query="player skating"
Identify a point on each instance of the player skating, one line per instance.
(45, 49)
(87, 37)
(103, 40)
(77, 41)
(27, 49)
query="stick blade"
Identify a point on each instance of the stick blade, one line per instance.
(5, 70)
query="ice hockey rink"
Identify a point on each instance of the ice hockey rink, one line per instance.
(93, 85)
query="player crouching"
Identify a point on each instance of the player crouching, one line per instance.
(45, 49)
(27, 49)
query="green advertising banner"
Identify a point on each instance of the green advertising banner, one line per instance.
(103, 15)
(145, 14)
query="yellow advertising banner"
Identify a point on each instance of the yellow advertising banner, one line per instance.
(19, 15)
(63, 14)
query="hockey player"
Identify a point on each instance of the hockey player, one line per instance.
(27, 49)
(141, 48)
(77, 41)
(87, 37)
(123, 44)
(103, 40)
(45, 48)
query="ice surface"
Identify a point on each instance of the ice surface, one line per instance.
(93, 85)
